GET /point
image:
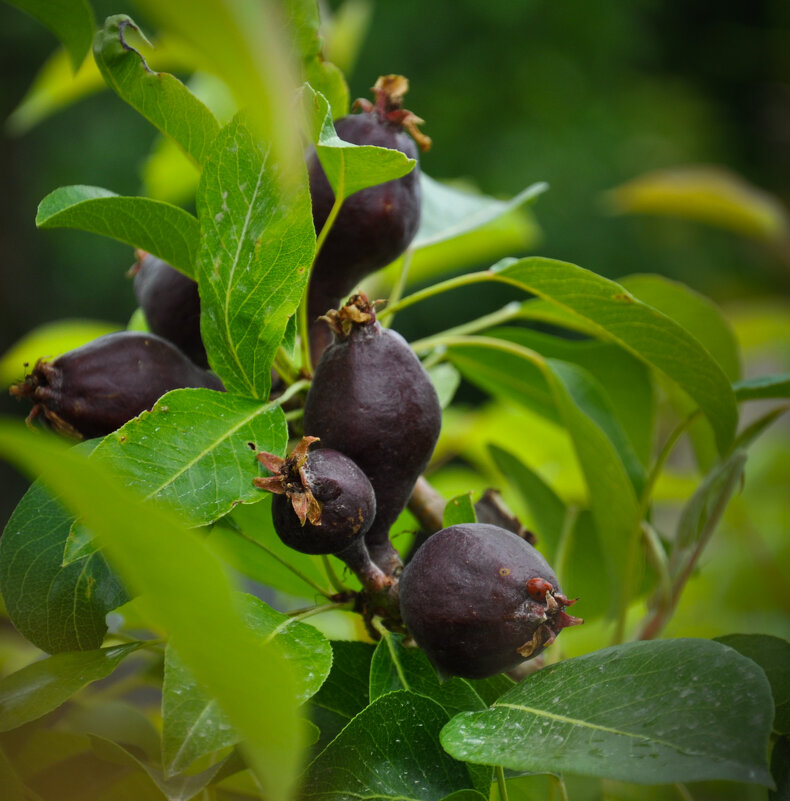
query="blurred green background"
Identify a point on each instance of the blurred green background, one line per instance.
(585, 96)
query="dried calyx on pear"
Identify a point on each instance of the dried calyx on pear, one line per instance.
(372, 399)
(479, 600)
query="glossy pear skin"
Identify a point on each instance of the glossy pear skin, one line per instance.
(479, 600)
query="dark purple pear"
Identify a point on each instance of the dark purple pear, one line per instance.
(323, 504)
(479, 600)
(322, 500)
(372, 400)
(375, 225)
(171, 304)
(95, 389)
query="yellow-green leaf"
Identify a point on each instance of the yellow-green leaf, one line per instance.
(707, 194)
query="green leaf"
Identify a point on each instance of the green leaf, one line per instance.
(698, 314)
(764, 387)
(644, 712)
(79, 544)
(305, 22)
(203, 476)
(250, 47)
(70, 20)
(390, 750)
(168, 173)
(705, 321)
(346, 31)
(57, 608)
(466, 795)
(56, 86)
(247, 541)
(193, 723)
(543, 311)
(615, 507)
(257, 243)
(583, 568)
(491, 688)
(312, 732)
(49, 341)
(43, 686)
(701, 514)
(772, 654)
(166, 231)
(504, 375)
(546, 508)
(289, 343)
(625, 387)
(446, 380)
(174, 788)
(588, 397)
(175, 574)
(329, 80)
(617, 316)
(345, 692)
(160, 97)
(459, 510)
(622, 394)
(349, 167)
(712, 195)
(397, 668)
(448, 213)
(593, 430)
(37, 751)
(460, 227)
(125, 722)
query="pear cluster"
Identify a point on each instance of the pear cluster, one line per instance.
(478, 598)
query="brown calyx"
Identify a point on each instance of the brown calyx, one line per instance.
(358, 311)
(389, 91)
(556, 620)
(26, 388)
(289, 479)
(36, 388)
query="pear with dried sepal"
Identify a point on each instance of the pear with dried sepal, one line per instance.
(323, 504)
(96, 388)
(479, 600)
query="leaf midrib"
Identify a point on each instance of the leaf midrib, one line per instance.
(214, 445)
(187, 739)
(607, 729)
(232, 272)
